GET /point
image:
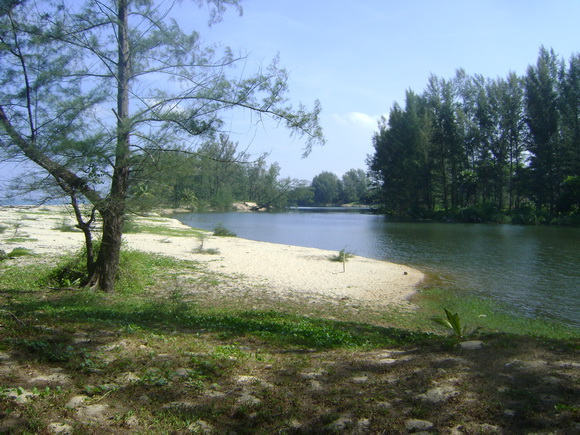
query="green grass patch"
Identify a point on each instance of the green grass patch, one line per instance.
(488, 314)
(20, 239)
(136, 227)
(137, 271)
(142, 313)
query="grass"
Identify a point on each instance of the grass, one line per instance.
(179, 349)
(132, 226)
(489, 314)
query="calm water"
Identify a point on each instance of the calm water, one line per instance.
(536, 270)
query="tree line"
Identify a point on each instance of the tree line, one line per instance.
(327, 188)
(217, 175)
(475, 149)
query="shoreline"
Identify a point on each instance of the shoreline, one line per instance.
(280, 269)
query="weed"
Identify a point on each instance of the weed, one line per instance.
(342, 256)
(65, 227)
(222, 231)
(201, 250)
(46, 349)
(453, 322)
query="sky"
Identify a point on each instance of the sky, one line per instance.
(359, 57)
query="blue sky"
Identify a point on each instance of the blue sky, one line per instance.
(359, 57)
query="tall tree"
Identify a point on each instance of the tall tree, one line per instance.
(354, 186)
(513, 133)
(326, 186)
(570, 110)
(543, 119)
(66, 68)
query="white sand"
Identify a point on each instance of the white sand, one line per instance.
(278, 268)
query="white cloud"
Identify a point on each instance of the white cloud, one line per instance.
(357, 119)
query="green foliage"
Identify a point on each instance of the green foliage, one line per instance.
(473, 149)
(136, 270)
(46, 349)
(453, 322)
(342, 256)
(222, 231)
(326, 187)
(569, 199)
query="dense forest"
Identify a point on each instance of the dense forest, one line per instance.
(477, 149)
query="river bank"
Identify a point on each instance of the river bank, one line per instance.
(276, 268)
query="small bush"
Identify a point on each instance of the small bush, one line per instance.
(65, 227)
(134, 274)
(342, 256)
(222, 231)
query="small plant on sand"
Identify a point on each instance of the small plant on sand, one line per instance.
(222, 231)
(342, 256)
(65, 227)
(201, 250)
(453, 322)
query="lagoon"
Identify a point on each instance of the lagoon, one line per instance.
(531, 271)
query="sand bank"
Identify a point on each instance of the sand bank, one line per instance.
(278, 268)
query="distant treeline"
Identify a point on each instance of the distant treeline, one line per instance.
(218, 175)
(215, 176)
(479, 149)
(327, 188)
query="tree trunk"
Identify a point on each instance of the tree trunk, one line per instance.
(113, 212)
(107, 262)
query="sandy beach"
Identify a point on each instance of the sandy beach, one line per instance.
(284, 269)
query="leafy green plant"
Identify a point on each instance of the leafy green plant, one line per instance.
(342, 256)
(453, 322)
(222, 231)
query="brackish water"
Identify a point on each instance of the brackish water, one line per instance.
(534, 271)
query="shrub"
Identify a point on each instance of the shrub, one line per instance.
(135, 271)
(222, 231)
(342, 256)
